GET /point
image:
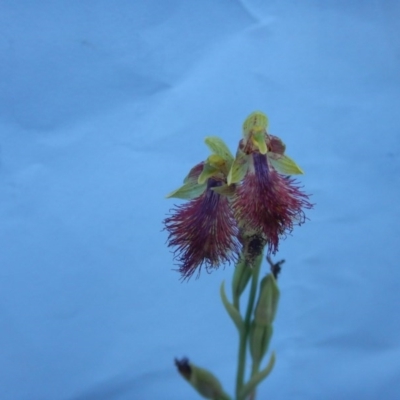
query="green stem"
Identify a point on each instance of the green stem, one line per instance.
(254, 371)
(249, 388)
(224, 396)
(245, 331)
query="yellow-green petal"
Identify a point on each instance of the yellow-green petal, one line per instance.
(239, 167)
(218, 147)
(258, 140)
(219, 163)
(216, 161)
(255, 122)
(284, 164)
(208, 172)
(188, 191)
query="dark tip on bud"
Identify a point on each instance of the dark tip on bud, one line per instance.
(275, 267)
(256, 245)
(183, 367)
(253, 246)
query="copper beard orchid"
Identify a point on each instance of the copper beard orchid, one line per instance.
(204, 231)
(232, 198)
(266, 202)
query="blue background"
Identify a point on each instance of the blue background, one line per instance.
(103, 110)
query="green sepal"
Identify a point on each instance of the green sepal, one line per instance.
(284, 164)
(225, 190)
(231, 310)
(257, 378)
(239, 167)
(258, 140)
(217, 146)
(255, 122)
(208, 172)
(188, 191)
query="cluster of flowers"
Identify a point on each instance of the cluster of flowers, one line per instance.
(232, 199)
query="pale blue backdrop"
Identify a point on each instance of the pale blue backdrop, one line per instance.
(103, 110)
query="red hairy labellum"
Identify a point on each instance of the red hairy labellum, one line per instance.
(269, 203)
(203, 232)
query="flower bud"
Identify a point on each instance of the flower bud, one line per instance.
(202, 380)
(267, 302)
(259, 338)
(264, 314)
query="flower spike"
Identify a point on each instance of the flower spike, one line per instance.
(234, 198)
